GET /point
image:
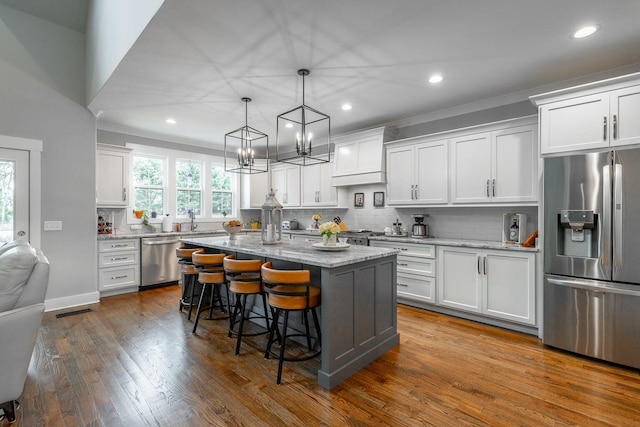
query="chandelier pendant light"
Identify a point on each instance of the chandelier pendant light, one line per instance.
(242, 145)
(303, 134)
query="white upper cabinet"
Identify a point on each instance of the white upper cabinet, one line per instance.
(359, 157)
(316, 185)
(255, 188)
(495, 167)
(417, 173)
(514, 165)
(112, 176)
(471, 167)
(285, 181)
(598, 115)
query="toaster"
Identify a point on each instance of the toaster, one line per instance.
(290, 225)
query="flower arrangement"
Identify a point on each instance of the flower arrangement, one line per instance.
(328, 229)
(316, 221)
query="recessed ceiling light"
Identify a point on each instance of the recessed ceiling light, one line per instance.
(346, 107)
(170, 121)
(585, 31)
(436, 78)
(289, 125)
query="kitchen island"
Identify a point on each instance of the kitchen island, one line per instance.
(358, 311)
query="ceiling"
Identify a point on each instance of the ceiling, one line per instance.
(198, 58)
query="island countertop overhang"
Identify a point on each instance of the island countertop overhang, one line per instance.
(293, 250)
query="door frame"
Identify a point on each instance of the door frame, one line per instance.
(35, 148)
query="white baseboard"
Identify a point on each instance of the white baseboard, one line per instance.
(72, 301)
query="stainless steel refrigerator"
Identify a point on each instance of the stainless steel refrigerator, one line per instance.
(592, 255)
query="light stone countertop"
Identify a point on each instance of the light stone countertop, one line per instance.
(462, 243)
(478, 244)
(167, 234)
(293, 250)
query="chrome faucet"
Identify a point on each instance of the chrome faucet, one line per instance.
(192, 215)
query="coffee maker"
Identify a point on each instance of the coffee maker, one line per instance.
(419, 229)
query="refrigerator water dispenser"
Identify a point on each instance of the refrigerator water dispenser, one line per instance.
(576, 235)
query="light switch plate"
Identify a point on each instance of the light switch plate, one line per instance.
(52, 225)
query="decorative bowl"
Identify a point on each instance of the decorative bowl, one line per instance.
(233, 228)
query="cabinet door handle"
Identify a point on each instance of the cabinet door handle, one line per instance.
(479, 265)
(120, 258)
(403, 264)
(411, 191)
(615, 126)
(416, 190)
(488, 183)
(493, 187)
(402, 284)
(485, 266)
(124, 194)
(117, 277)
(604, 129)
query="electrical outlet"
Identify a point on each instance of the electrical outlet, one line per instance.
(52, 225)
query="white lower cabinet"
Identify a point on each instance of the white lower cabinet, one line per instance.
(118, 265)
(494, 283)
(416, 275)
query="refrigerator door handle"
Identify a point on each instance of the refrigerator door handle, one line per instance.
(605, 231)
(617, 216)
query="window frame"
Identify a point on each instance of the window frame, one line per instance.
(170, 189)
(165, 164)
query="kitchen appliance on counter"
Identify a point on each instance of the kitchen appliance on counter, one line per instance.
(514, 228)
(591, 241)
(290, 225)
(419, 229)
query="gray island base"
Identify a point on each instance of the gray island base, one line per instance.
(358, 292)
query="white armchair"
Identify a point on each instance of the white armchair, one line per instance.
(24, 277)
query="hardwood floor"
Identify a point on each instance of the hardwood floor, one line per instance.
(133, 361)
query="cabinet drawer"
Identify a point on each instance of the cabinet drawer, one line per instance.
(412, 249)
(114, 259)
(412, 264)
(118, 277)
(118, 245)
(414, 287)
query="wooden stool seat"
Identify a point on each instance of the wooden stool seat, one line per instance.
(190, 286)
(286, 302)
(210, 273)
(244, 279)
(186, 253)
(290, 290)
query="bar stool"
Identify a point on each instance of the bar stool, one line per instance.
(189, 277)
(210, 273)
(290, 290)
(244, 279)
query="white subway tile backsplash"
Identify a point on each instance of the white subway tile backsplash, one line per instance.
(474, 223)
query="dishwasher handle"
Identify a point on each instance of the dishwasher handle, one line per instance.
(163, 242)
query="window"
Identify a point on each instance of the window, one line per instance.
(188, 187)
(172, 182)
(148, 183)
(221, 194)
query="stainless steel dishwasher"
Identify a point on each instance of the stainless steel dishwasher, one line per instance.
(159, 264)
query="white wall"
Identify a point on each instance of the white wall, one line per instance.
(42, 93)
(113, 27)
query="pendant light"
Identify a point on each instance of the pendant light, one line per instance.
(303, 134)
(243, 146)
